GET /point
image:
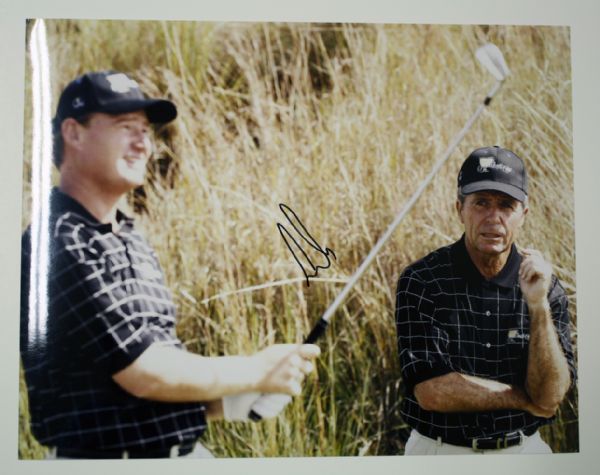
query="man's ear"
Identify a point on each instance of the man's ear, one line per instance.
(71, 132)
(525, 211)
(459, 206)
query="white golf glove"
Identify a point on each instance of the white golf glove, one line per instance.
(269, 405)
(238, 406)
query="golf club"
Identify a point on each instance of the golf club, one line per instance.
(492, 60)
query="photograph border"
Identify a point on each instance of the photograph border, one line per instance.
(580, 16)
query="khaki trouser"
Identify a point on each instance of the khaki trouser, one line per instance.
(418, 444)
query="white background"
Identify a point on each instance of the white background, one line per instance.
(581, 15)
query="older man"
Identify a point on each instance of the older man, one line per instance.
(107, 376)
(482, 326)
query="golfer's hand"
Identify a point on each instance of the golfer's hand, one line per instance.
(535, 275)
(283, 367)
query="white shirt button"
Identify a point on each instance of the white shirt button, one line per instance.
(487, 313)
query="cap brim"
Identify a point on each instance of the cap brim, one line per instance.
(510, 190)
(157, 110)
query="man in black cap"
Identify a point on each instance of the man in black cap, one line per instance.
(483, 327)
(107, 376)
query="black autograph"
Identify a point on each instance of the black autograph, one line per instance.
(305, 235)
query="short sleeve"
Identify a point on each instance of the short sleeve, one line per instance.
(91, 304)
(422, 344)
(559, 307)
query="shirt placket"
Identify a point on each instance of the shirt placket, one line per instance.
(487, 316)
(489, 319)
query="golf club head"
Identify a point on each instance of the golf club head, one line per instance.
(491, 58)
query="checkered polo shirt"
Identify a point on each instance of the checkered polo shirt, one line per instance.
(450, 319)
(107, 303)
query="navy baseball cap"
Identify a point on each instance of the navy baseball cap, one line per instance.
(111, 92)
(493, 169)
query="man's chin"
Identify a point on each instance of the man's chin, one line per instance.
(493, 249)
(134, 180)
(133, 175)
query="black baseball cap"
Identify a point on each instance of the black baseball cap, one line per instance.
(111, 92)
(496, 169)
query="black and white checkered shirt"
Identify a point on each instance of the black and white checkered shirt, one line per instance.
(450, 319)
(107, 303)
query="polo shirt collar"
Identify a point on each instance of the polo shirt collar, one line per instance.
(508, 276)
(61, 202)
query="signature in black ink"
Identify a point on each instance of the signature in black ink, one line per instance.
(290, 242)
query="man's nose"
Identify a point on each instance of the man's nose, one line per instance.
(141, 141)
(494, 214)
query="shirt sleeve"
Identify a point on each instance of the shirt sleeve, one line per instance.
(559, 307)
(422, 344)
(92, 307)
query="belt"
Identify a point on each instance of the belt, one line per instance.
(509, 440)
(492, 443)
(172, 452)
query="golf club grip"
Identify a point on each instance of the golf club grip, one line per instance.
(312, 337)
(317, 331)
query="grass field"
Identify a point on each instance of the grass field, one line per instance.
(341, 123)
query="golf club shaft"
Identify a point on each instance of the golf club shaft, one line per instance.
(319, 329)
(321, 325)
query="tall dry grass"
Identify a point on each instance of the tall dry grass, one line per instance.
(340, 122)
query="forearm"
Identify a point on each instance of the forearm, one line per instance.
(173, 375)
(547, 368)
(456, 392)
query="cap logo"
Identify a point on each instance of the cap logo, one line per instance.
(485, 163)
(120, 83)
(77, 103)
